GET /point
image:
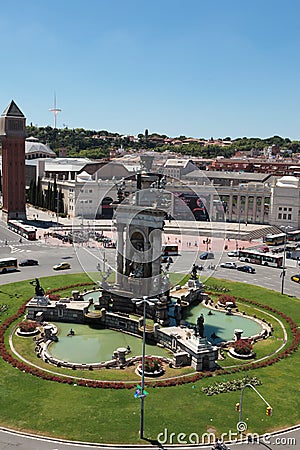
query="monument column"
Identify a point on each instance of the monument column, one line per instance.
(156, 251)
(211, 207)
(12, 135)
(246, 207)
(120, 254)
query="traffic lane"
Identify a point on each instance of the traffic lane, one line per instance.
(85, 259)
(267, 277)
(81, 259)
(285, 440)
(47, 258)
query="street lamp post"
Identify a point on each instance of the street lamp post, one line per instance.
(283, 273)
(283, 266)
(144, 301)
(240, 405)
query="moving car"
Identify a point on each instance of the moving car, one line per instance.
(247, 269)
(233, 253)
(295, 278)
(229, 265)
(62, 266)
(28, 262)
(207, 255)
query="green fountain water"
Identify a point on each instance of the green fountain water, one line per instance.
(91, 345)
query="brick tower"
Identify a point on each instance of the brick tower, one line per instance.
(12, 135)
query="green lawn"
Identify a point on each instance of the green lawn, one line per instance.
(29, 403)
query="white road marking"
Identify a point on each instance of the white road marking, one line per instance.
(15, 249)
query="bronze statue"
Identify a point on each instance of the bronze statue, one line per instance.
(200, 325)
(39, 291)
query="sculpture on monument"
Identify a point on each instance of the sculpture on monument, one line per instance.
(200, 325)
(194, 272)
(39, 291)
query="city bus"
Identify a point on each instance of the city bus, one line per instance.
(275, 239)
(8, 265)
(265, 259)
(170, 250)
(22, 229)
(293, 235)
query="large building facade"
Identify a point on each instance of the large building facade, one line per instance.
(89, 191)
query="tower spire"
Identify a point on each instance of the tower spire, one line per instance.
(55, 110)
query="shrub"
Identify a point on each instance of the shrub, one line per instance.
(26, 326)
(152, 364)
(242, 347)
(225, 298)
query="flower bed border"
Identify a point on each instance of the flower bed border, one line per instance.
(239, 355)
(6, 356)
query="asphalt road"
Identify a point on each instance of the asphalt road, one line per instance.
(85, 258)
(287, 440)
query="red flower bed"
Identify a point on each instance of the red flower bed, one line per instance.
(242, 347)
(27, 326)
(225, 298)
(152, 364)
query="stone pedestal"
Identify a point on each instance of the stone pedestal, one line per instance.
(238, 334)
(162, 311)
(121, 355)
(203, 354)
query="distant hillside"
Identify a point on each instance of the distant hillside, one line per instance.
(97, 144)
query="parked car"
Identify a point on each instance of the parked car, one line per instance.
(166, 259)
(247, 269)
(229, 265)
(233, 253)
(295, 278)
(28, 262)
(207, 255)
(263, 249)
(62, 266)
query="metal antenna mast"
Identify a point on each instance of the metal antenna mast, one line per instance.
(55, 110)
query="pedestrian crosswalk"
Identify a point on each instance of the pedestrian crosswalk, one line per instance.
(19, 247)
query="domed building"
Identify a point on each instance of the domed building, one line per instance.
(35, 149)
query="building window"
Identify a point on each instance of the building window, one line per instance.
(280, 209)
(284, 209)
(290, 209)
(289, 216)
(284, 216)
(279, 216)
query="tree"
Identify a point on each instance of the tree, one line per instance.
(61, 208)
(54, 198)
(33, 194)
(39, 194)
(48, 196)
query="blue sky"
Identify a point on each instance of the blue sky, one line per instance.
(195, 68)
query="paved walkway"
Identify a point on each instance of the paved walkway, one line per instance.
(188, 235)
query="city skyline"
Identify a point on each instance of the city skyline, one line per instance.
(195, 69)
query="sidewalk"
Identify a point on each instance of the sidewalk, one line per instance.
(48, 218)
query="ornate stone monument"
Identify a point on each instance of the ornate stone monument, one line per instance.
(139, 223)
